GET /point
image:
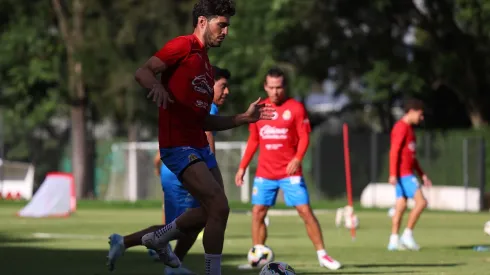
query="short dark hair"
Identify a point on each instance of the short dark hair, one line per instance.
(413, 104)
(212, 8)
(277, 72)
(220, 73)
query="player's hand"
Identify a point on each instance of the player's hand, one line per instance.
(293, 166)
(427, 181)
(160, 96)
(392, 180)
(239, 177)
(258, 111)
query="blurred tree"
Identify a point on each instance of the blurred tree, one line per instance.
(372, 42)
(31, 84)
(248, 51)
(71, 18)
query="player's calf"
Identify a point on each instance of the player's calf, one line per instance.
(259, 228)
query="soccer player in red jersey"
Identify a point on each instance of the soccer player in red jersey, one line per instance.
(184, 96)
(403, 162)
(283, 142)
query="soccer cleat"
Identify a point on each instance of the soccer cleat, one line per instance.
(409, 243)
(394, 246)
(165, 254)
(116, 250)
(329, 262)
(178, 271)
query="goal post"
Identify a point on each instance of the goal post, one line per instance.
(133, 178)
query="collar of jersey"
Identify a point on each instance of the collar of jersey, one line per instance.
(201, 45)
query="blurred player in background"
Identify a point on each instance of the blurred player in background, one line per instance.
(184, 95)
(176, 198)
(403, 162)
(283, 142)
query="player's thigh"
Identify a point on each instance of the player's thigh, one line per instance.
(295, 191)
(177, 159)
(201, 183)
(264, 191)
(407, 186)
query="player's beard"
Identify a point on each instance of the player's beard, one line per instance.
(210, 40)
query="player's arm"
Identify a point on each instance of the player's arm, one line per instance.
(418, 169)
(398, 135)
(211, 141)
(303, 129)
(254, 113)
(221, 123)
(157, 163)
(170, 54)
(252, 145)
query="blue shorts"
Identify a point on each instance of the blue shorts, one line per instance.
(407, 186)
(177, 159)
(176, 199)
(294, 189)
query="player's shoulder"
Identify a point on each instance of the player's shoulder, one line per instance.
(184, 41)
(400, 125)
(294, 105)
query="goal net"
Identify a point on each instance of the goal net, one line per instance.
(133, 175)
(16, 180)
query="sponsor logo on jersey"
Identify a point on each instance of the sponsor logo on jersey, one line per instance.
(273, 146)
(201, 85)
(274, 115)
(271, 132)
(411, 146)
(286, 115)
(202, 104)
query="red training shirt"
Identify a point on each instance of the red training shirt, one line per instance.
(402, 152)
(280, 139)
(189, 80)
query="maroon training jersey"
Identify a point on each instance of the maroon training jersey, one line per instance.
(189, 80)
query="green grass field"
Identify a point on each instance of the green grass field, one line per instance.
(78, 245)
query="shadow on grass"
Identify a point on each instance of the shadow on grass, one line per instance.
(38, 256)
(470, 247)
(404, 265)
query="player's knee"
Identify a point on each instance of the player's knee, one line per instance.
(422, 203)
(259, 212)
(306, 213)
(217, 206)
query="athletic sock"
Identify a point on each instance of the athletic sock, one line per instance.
(408, 233)
(394, 238)
(212, 264)
(167, 233)
(321, 253)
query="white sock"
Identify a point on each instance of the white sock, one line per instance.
(394, 238)
(167, 233)
(212, 264)
(407, 232)
(321, 253)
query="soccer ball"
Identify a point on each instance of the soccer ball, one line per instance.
(277, 268)
(486, 228)
(260, 255)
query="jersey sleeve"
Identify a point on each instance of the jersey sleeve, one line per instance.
(252, 144)
(398, 135)
(303, 129)
(174, 51)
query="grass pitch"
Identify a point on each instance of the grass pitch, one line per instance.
(78, 245)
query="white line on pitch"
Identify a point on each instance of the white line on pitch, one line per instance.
(41, 235)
